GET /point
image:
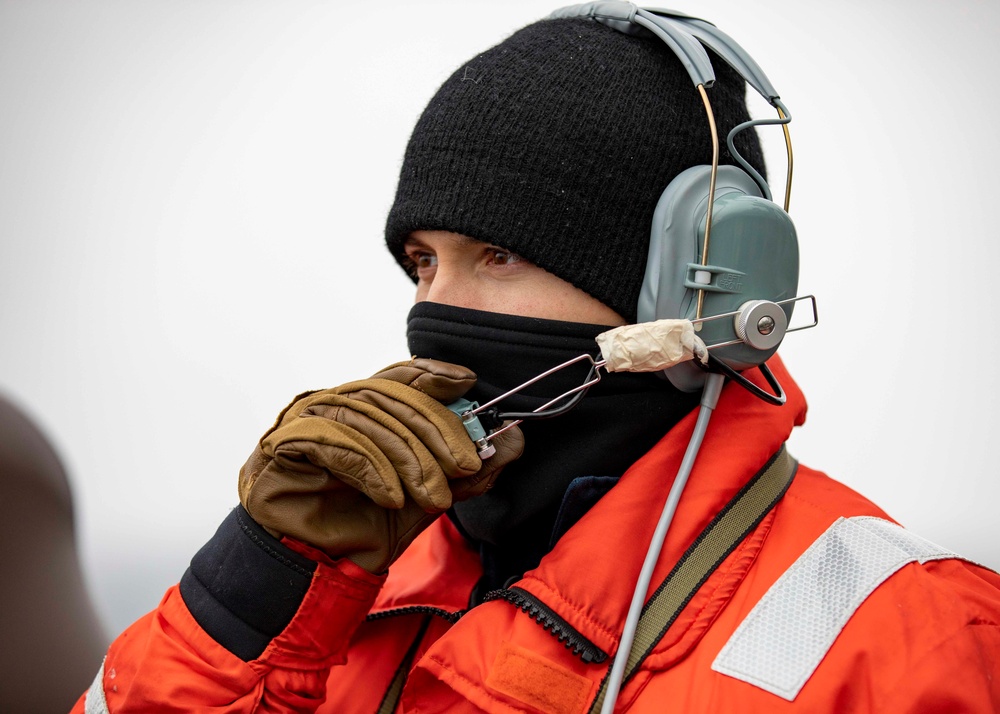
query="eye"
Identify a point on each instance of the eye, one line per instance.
(424, 260)
(499, 256)
(419, 261)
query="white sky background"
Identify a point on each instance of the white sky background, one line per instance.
(192, 197)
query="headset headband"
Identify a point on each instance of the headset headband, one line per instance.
(687, 36)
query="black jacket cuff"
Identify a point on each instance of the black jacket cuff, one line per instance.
(243, 587)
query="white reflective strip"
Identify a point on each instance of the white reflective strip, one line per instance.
(786, 635)
(95, 703)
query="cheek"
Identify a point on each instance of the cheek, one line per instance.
(511, 298)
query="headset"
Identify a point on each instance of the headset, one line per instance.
(741, 299)
(721, 252)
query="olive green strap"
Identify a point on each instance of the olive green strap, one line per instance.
(395, 690)
(726, 531)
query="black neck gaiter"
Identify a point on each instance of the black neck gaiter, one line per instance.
(618, 421)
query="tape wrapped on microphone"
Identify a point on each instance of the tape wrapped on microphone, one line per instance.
(651, 346)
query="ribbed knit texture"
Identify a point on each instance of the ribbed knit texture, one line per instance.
(556, 145)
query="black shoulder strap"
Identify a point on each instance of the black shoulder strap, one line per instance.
(726, 531)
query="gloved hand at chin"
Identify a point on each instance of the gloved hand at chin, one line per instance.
(360, 470)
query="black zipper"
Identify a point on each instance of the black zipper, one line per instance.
(549, 620)
(451, 617)
(527, 603)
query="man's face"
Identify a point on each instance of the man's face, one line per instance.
(453, 269)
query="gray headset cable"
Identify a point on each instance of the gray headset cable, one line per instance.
(709, 399)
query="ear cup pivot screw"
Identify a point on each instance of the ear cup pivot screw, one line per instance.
(761, 324)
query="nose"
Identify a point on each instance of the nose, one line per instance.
(452, 286)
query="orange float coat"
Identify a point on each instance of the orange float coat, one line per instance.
(927, 639)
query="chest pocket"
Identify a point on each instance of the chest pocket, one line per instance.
(786, 635)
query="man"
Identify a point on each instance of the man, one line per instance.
(523, 214)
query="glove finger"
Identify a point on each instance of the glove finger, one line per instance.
(442, 381)
(249, 472)
(314, 449)
(403, 527)
(331, 515)
(430, 443)
(434, 425)
(295, 407)
(418, 470)
(509, 447)
(422, 458)
(336, 517)
(348, 525)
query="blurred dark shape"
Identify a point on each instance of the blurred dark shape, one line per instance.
(51, 639)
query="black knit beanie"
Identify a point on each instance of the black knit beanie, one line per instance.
(556, 145)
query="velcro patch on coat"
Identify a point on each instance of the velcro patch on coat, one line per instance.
(523, 675)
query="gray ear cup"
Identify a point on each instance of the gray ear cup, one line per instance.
(753, 255)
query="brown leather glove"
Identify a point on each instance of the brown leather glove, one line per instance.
(359, 471)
